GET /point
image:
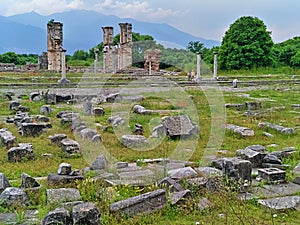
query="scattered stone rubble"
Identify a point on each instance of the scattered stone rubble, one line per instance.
(243, 131)
(279, 128)
(238, 169)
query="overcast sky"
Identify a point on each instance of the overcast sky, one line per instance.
(204, 18)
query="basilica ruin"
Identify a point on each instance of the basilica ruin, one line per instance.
(117, 56)
(54, 45)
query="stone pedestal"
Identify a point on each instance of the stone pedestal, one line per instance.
(272, 174)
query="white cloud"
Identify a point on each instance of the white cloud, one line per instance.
(136, 9)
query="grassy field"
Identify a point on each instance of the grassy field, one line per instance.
(225, 209)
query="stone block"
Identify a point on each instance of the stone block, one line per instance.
(198, 182)
(87, 108)
(158, 131)
(70, 146)
(33, 129)
(209, 171)
(100, 163)
(62, 195)
(45, 109)
(279, 128)
(58, 180)
(271, 158)
(134, 141)
(141, 204)
(13, 196)
(147, 175)
(141, 110)
(170, 184)
(179, 197)
(120, 165)
(243, 131)
(42, 119)
(50, 98)
(64, 169)
(281, 203)
(88, 133)
(98, 111)
(115, 121)
(255, 157)
(296, 180)
(58, 216)
(57, 138)
(115, 97)
(179, 126)
(7, 139)
(182, 173)
(13, 105)
(96, 138)
(86, 213)
(28, 181)
(253, 105)
(238, 169)
(272, 174)
(4, 183)
(17, 154)
(238, 107)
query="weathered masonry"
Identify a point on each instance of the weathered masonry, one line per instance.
(117, 56)
(54, 43)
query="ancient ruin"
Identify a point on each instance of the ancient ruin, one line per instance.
(54, 43)
(117, 56)
(152, 60)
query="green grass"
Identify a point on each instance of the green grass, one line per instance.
(226, 208)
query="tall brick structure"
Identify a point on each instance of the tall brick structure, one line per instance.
(117, 56)
(54, 45)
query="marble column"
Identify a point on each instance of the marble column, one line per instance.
(63, 79)
(215, 65)
(198, 74)
(96, 52)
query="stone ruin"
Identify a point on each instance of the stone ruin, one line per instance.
(7, 67)
(43, 61)
(54, 44)
(152, 59)
(117, 56)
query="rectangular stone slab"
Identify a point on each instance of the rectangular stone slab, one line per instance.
(141, 204)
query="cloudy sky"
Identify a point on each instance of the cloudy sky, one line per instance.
(204, 18)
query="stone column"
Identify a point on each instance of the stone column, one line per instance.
(63, 79)
(198, 74)
(104, 62)
(150, 66)
(96, 51)
(114, 59)
(215, 65)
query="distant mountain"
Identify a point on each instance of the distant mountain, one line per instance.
(21, 38)
(26, 33)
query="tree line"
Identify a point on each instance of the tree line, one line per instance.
(247, 44)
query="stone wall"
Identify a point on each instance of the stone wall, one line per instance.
(152, 57)
(43, 61)
(7, 67)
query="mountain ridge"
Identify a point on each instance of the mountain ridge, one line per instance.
(82, 30)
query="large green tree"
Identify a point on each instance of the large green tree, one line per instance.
(285, 52)
(246, 44)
